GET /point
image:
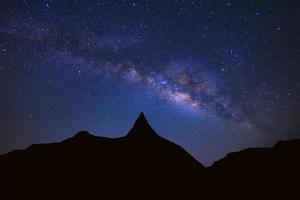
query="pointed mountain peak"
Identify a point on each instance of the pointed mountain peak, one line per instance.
(141, 128)
(141, 119)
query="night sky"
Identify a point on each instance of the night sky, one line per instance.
(212, 76)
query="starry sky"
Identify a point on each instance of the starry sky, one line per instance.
(213, 76)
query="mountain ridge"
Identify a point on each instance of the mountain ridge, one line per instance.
(142, 158)
(143, 164)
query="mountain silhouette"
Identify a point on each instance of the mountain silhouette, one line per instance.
(260, 172)
(84, 166)
(143, 165)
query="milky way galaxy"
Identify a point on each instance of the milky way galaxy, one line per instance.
(212, 76)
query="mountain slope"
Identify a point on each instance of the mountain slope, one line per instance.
(143, 165)
(86, 165)
(260, 172)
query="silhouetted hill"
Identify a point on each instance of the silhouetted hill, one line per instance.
(86, 166)
(258, 172)
(143, 165)
(281, 155)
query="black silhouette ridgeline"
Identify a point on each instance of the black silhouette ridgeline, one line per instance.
(85, 166)
(143, 165)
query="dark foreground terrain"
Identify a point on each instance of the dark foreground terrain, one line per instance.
(143, 165)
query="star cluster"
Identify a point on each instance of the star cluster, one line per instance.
(212, 76)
